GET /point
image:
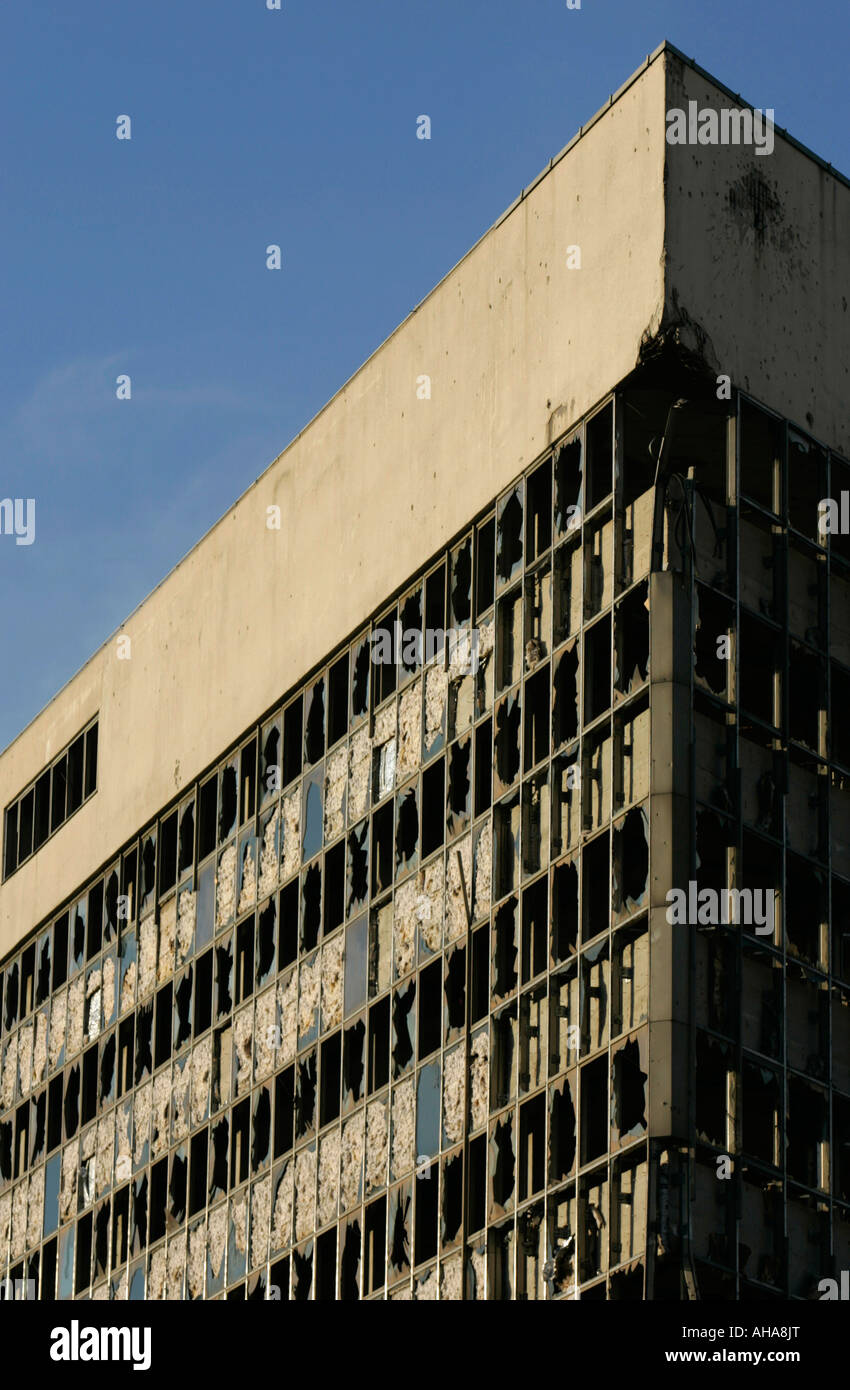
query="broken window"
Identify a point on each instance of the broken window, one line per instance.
(595, 996)
(807, 484)
(713, 1067)
(597, 669)
(630, 977)
(599, 443)
(762, 451)
(535, 829)
(567, 591)
(509, 648)
(595, 876)
(630, 862)
(630, 1073)
(507, 742)
(458, 792)
(536, 741)
(357, 875)
(485, 554)
(568, 481)
(403, 1025)
(631, 641)
(533, 1038)
(503, 1057)
(759, 669)
(509, 536)
(407, 830)
(535, 933)
(506, 832)
(598, 566)
(460, 583)
(227, 807)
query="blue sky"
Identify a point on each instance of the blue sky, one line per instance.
(249, 127)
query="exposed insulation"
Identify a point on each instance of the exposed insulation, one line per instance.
(410, 730)
(108, 990)
(248, 891)
(10, 1072)
(167, 934)
(160, 1115)
(453, 1088)
(39, 1054)
(76, 1015)
(451, 1279)
(68, 1183)
(147, 957)
(239, 1222)
(402, 1295)
(460, 655)
(427, 1287)
(19, 1220)
(404, 926)
(332, 983)
(456, 923)
(180, 1101)
(404, 1127)
(329, 1154)
(261, 1200)
(385, 726)
(187, 907)
(94, 1004)
(25, 1058)
(225, 886)
(483, 870)
(243, 1031)
(121, 1289)
(100, 1294)
(287, 999)
(359, 764)
(436, 688)
(201, 1068)
(478, 1265)
(56, 1041)
(128, 987)
(264, 1035)
(141, 1121)
(176, 1267)
(479, 1076)
(291, 849)
(430, 908)
(268, 855)
(336, 775)
(216, 1239)
(156, 1275)
(308, 994)
(282, 1215)
(305, 1193)
(351, 1168)
(88, 1142)
(104, 1155)
(195, 1262)
(486, 640)
(5, 1219)
(123, 1124)
(376, 1145)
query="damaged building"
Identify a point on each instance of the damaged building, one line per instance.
(330, 978)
